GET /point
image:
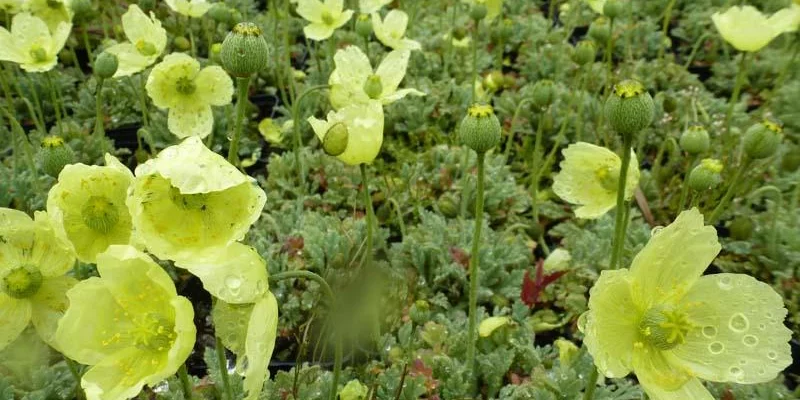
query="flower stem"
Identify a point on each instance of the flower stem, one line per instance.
(619, 223)
(737, 88)
(370, 213)
(186, 382)
(298, 140)
(665, 27)
(475, 62)
(222, 364)
(723, 203)
(191, 36)
(609, 56)
(338, 352)
(74, 371)
(591, 384)
(54, 99)
(87, 45)
(99, 130)
(242, 85)
(537, 147)
(514, 118)
(473, 270)
(685, 187)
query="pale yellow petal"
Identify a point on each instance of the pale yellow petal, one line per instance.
(235, 274)
(15, 315)
(49, 305)
(214, 86)
(259, 344)
(191, 121)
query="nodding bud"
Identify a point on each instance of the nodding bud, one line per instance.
(600, 30)
(478, 11)
(54, 155)
(221, 14)
(335, 141)
(181, 43)
(83, 11)
(105, 65)
(741, 228)
(630, 108)
(705, 176)
(459, 33)
(244, 51)
(364, 25)
(373, 86)
(695, 140)
(613, 8)
(762, 140)
(480, 129)
(543, 93)
(585, 52)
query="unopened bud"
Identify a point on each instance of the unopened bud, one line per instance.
(630, 108)
(480, 129)
(705, 176)
(762, 140)
(335, 141)
(695, 140)
(244, 51)
(54, 155)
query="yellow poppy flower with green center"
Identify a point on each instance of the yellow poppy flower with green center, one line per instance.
(324, 17)
(354, 82)
(371, 6)
(392, 29)
(189, 8)
(353, 134)
(249, 331)
(146, 41)
(670, 325)
(747, 29)
(189, 199)
(129, 325)
(33, 261)
(589, 177)
(30, 43)
(89, 203)
(177, 83)
(52, 12)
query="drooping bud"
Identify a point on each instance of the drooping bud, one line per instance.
(762, 140)
(630, 108)
(448, 205)
(373, 86)
(706, 175)
(585, 52)
(480, 129)
(181, 43)
(364, 25)
(613, 8)
(543, 93)
(54, 155)
(695, 140)
(82, 10)
(600, 30)
(335, 141)
(478, 11)
(105, 65)
(459, 33)
(741, 228)
(244, 51)
(221, 14)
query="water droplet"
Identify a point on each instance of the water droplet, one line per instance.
(736, 372)
(751, 299)
(709, 331)
(738, 323)
(772, 355)
(762, 326)
(761, 371)
(750, 340)
(724, 283)
(655, 231)
(768, 315)
(233, 282)
(743, 362)
(716, 347)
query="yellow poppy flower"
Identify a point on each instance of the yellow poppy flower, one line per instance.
(129, 325)
(189, 8)
(52, 12)
(249, 331)
(491, 324)
(362, 125)
(177, 83)
(33, 261)
(371, 6)
(670, 326)
(390, 30)
(747, 29)
(88, 202)
(146, 41)
(189, 200)
(787, 19)
(324, 17)
(30, 43)
(235, 274)
(589, 177)
(354, 82)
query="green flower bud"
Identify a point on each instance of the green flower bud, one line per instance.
(478, 12)
(335, 141)
(762, 140)
(705, 176)
(448, 206)
(741, 228)
(105, 65)
(543, 93)
(147, 5)
(695, 140)
(373, 86)
(54, 155)
(600, 30)
(181, 43)
(459, 33)
(502, 32)
(221, 14)
(244, 51)
(669, 104)
(613, 8)
(480, 129)
(585, 52)
(420, 312)
(83, 11)
(534, 230)
(630, 108)
(364, 25)
(216, 48)
(791, 159)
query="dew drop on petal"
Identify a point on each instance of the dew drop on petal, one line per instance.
(750, 340)
(772, 355)
(709, 331)
(738, 323)
(724, 283)
(716, 347)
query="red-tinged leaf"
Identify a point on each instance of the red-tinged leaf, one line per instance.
(533, 288)
(528, 290)
(460, 256)
(293, 245)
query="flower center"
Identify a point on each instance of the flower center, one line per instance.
(665, 328)
(100, 214)
(608, 179)
(195, 201)
(185, 86)
(373, 86)
(145, 48)
(22, 282)
(38, 53)
(152, 332)
(327, 18)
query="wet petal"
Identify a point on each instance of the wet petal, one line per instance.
(235, 274)
(15, 315)
(191, 121)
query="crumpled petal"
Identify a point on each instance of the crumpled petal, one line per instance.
(191, 121)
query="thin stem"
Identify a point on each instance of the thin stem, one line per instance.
(510, 139)
(473, 270)
(475, 62)
(222, 364)
(74, 371)
(695, 48)
(619, 223)
(591, 384)
(186, 382)
(737, 88)
(54, 99)
(243, 85)
(99, 129)
(685, 187)
(537, 146)
(665, 27)
(298, 140)
(609, 55)
(191, 36)
(38, 118)
(87, 46)
(140, 93)
(370, 214)
(723, 203)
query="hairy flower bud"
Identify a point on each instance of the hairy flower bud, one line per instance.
(82, 10)
(54, 155)
(543, 93)
(585, 52)
(105, 65)
(244, 51)
(741, 228)
(364, 25)
(480, 129)
(478, 12)
(762, 140)
(630, 108)
(613, 8)
(695, 140)
(181, 43)
(600, 30)
(705, 176)
(221, 14)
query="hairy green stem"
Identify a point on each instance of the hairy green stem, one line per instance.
(619, 223)
(737, 88)
(685, 186)
(591, 384)
(473, 270)
(665, 27)
(510, 138)
(370, 213)
(723, 203)
(186, 382)
(222, 364)
(537, 147)
(99, 129)
(609, 56)
(74, 371)
(298, 140)
(243, 86)
(472, 85)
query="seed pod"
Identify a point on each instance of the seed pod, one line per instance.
(705, 176)
(335, 141)
(364, 26)
(478, 12)
(448, 206)
(480, 129)
(82, 10)
(181, 43)
(54, 155)
(613, 8)
(105, 65)
(762, 140)
(600, 30)
(373, 86)
(741, 228)
(244, 51)
(695, 140)
(630, 108)
(585, 52)
(221, 14)
(543, 93)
